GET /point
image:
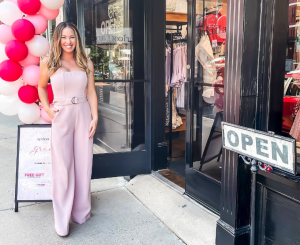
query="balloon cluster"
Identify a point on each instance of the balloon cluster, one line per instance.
(21, 46)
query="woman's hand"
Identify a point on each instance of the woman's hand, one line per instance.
(92, 129)
(51, 112)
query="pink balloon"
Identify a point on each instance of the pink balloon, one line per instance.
(31, 75)
(6, 34)
(30, 60)
(16, 50)
(29, 6)
(10, 71)
(45, 116)
(23, 30)
(49, 14)
(39, 22)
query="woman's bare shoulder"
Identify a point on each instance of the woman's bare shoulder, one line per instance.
(90, 65)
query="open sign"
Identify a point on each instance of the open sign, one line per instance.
(275, 150)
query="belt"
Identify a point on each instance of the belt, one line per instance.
(69, 101)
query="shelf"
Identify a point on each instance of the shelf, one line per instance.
(175, 18)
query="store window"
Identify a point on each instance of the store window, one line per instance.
(118, 59)
(291, 100)
(209, 78)
(208, 81)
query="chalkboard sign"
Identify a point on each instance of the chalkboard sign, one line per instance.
(34, 165)
(275, 150)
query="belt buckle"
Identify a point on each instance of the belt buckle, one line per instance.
(74, 100)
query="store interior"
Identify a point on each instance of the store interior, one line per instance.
(121, 127)
(210, 37)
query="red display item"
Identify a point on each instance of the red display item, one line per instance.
(289, 104)
(221, 72)
(23, 30)
(16, 50)
(29, 6)
(221, 23)
(210, 25)
(10, 71)
(28, 94)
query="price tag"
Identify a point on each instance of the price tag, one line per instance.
(214, 43)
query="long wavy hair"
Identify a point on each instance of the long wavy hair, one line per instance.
(54, 62)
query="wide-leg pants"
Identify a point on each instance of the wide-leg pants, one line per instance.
(72, 156)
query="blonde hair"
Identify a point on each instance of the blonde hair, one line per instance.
(54, 63)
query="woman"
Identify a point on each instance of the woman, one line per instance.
(74, 121)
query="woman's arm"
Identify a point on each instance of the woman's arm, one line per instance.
(92, 98)
(43, 94)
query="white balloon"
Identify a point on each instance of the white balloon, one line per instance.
(3, 55)
(208, 96)
(38, 46)
(29, 113)
(41, 121)
(10, 88)
(216, 110)
(9, 13)
(9, 105)
(53, 4)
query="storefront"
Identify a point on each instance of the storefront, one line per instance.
(164, 88)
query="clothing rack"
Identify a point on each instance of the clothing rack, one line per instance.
(170, 95)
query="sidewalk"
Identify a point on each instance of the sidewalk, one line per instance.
(142, 211)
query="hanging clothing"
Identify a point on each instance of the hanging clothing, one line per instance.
(204, 54)
(180, 97)
(176, 119)
(179, 66)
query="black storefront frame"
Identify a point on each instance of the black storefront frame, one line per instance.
(155, 154)
(257, 70)
(199, 186)
(250, 69)
(254, 72)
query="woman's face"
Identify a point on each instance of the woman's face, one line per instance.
(68, 40)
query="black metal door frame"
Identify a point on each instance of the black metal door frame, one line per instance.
(148, 78)
(199, 186)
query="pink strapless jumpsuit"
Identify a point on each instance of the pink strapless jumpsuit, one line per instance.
(71, 149)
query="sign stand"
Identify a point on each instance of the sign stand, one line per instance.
(262, 151)
(33, 165)
(254, 169)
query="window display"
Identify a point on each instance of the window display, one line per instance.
(209, 86)
(209, 80)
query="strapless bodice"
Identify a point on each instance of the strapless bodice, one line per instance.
(69, 84)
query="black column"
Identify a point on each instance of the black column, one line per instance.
(242, 45)
(155, 14)
(71, 11)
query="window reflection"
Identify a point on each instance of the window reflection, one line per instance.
(109, 44)
(210, 41)
(291, 100)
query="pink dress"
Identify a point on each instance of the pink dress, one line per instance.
(71, 149)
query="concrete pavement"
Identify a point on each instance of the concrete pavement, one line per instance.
(142, 211)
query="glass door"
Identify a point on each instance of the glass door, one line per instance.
(114, 41)
(206, 58)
